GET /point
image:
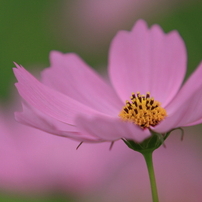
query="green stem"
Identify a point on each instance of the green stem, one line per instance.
(149, 162)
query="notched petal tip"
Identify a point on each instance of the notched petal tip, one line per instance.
(140, 24)
(15, 63)
(54, 54)
(19, 72)
(54, 57)
(57, 58)
(17, 67)
(137, 27)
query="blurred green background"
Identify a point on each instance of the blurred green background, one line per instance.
(29, 30)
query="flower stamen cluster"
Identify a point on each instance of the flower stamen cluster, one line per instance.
(143, 111)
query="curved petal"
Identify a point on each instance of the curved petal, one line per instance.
(46, 100)
(195, 122)
(36, 119)
(69, 75)
(32, 117)
(110, 129)
(147, 60)
(186, 108)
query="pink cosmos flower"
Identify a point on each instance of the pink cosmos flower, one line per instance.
(34, 162)
(71, 100)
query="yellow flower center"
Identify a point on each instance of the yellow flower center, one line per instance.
(143, 111)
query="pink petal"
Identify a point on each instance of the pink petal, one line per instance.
(186, 108)
(53, 105)
(69, 75)
(46, 100)
(36, 119)
(147, 60)
(32, 117)
(194, 123)
(110, 129)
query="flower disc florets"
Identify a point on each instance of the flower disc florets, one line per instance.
(143, 111)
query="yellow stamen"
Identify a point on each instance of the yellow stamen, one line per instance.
(143, 111)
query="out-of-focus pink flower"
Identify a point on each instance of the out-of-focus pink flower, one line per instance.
(90, 25)
(178, 173)
(35, 162)
(73, 101)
